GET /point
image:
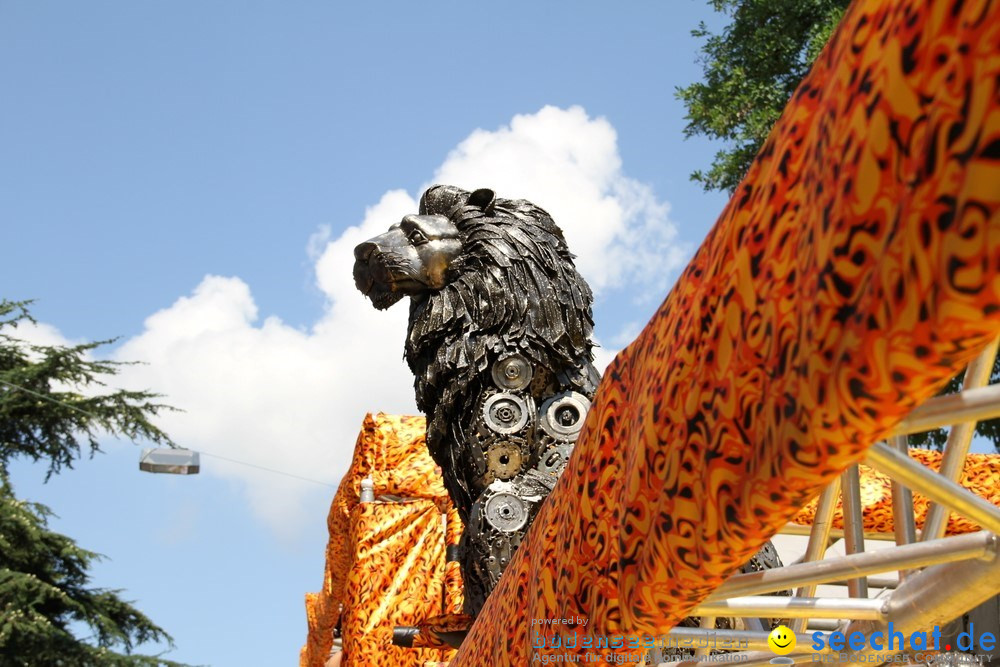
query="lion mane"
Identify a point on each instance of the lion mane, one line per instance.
(515, 290)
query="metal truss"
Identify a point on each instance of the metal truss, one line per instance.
(937, 578)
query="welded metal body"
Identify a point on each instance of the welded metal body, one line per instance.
(499, 342)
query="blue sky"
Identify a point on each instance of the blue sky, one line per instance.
(190, 177)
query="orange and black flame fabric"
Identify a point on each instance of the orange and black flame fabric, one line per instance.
(386, 562)
(981, 475)
(856, 268)
(368, 594)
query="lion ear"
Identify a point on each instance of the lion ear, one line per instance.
(483, 198)
(439, 199)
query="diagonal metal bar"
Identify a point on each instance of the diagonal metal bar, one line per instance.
(854, 538)
(968, 405)
(934, 486)
(959, 439)
(961, 547)
(922, 602)
(819, 538)
(773, 606)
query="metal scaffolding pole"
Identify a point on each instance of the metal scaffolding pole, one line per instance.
(959, 439)
(935, 487)
(854, 539)
(968, 405)
(903, 522)
(921, 602)
(961, 547)
(772, 606)
(819, 538)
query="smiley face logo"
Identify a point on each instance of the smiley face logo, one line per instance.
(781, 640)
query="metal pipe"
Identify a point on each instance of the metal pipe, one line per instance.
(707, 622)
(903, 522)
(771, 606)
(922, 602)
(823, 624)
(889, 582)
(959, 439)
(935, 487)
(835, 533)
(921, 554)
(819, 538)
(854, 539)
(965, 406)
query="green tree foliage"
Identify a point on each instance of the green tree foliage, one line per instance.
(750, 71)
(46, 416)
(44, 592)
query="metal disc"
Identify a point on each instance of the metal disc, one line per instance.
(505, 512)
(554, 459)
(512, 373)
(503, 459)
(505, 413)
(562, 415)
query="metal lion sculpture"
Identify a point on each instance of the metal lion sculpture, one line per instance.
(500, 345)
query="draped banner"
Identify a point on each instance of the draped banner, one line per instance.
(386, 563)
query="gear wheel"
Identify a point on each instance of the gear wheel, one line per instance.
(562, 415)
(512, 373)
(503, 459)
(553, 459)
(505, 512)
(506, 413)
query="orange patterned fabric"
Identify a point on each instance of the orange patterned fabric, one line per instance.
(981, 475)
(385, 560)
(856, 269)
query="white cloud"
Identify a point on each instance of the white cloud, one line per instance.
(568, 164)
(269, 394)
(39, 333)
(276, 396)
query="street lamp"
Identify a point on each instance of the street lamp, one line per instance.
(170, 461)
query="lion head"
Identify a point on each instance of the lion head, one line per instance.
(478, 265)
(414, 257)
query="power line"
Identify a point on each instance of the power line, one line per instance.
(276, 472)
(203, 453)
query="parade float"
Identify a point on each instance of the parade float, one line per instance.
(854, 272)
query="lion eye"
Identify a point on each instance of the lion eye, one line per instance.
(416, 237)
